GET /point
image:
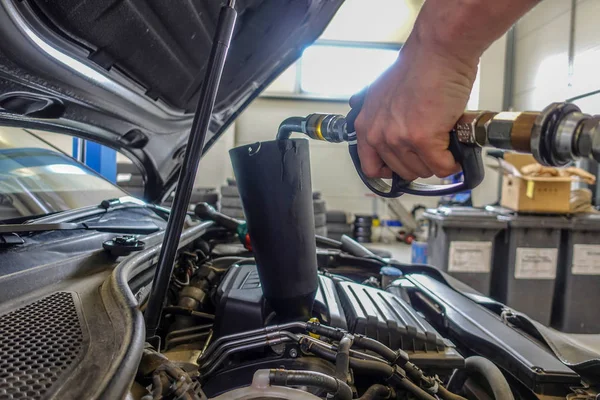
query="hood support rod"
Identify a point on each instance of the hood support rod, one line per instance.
(187, 174)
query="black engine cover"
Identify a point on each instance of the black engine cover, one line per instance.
(357, 308)
(392, 321)
(241, 305)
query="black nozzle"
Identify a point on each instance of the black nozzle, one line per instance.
(274, 183)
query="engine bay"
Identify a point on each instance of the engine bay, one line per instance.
(221, 338)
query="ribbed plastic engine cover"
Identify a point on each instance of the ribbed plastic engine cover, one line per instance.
(39, 343)
(387, 318)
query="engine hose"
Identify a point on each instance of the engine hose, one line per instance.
(342, 358)
(399, 357)
(445, 394)
(247, 347)
(488, 370)
(359, 341)
(368, 367)
(376, 392)
(410, 387)
(241, 342)
(337, 388)
(291, 326)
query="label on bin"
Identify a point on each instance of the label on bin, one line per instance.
(470, 257)
(535, 263)
(586, 259)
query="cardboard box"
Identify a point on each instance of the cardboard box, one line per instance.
(533, 194)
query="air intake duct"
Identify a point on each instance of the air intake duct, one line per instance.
(273, 179)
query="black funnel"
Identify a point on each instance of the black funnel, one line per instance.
(273, 179)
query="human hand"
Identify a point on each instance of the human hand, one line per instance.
(408, 112)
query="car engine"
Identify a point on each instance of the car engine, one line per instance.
(220, 337)
(266, 309)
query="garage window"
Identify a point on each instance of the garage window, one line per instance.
(339, 71)
(334, 70)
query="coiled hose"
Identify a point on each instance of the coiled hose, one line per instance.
(489, 371)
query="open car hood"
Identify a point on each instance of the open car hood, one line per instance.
(127, 74)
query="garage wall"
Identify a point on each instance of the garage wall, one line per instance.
(542, 67)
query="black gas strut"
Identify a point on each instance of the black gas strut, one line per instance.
(187, 174)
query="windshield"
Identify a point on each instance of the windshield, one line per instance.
(37, 179)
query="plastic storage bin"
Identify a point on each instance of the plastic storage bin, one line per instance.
(578, 281)
(461, 242)
(525, 269)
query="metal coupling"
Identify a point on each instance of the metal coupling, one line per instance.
(471, 127)
(511, 130)
(587, 138)
(545, 131)
(564, 148)
(326, 127)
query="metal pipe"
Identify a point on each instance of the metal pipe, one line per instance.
(187, 175)
(241, 342)
(273, 328)
(246, 347)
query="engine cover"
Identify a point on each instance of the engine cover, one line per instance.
(389, 319)
(357, 308)
(241, 305)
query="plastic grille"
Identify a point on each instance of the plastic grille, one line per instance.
(38, 343)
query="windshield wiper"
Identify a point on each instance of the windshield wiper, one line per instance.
(136, 229)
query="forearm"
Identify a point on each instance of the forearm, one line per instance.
(466, 28)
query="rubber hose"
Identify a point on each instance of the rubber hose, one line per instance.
(375, 392)
(377, 347)
(375, 368)
(445, 394)
(289, 126)
(342, 358)
(492, 374)
(412, 388)
(340, 390)
(368, 367)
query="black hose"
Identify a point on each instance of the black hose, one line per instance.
(376, 392)
(399, 357)
(342, 358)
(488, 370)
(289, 126)
(379, 348)
(339, 389)
(410, 387)
(365, 367)
(368, 367)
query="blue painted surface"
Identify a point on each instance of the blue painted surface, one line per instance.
(99, 158)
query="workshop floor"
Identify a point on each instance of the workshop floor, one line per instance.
(401, 252)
